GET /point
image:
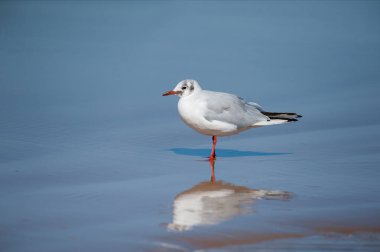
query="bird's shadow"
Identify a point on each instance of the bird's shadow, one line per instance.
(224, 152)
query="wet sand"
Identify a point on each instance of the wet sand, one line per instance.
(327, 235)
(74, 199)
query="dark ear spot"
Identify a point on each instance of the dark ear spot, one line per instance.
(192, 87)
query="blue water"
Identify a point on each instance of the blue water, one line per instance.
(93, 158)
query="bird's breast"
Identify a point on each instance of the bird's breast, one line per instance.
(191, 113)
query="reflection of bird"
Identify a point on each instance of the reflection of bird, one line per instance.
(209, 203)
(221, 114)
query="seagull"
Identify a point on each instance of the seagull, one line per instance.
(221, 114)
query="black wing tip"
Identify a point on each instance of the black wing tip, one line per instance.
(282, 115)
(292, 120)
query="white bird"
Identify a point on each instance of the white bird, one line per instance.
(221, 114)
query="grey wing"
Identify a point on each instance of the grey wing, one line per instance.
(254, 104)
(232, 109)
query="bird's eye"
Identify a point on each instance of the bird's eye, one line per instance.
(184, 87)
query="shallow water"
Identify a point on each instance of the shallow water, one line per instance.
(92, 158)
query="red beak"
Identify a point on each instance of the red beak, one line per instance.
(171, 92)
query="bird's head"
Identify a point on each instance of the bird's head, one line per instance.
(184, 88)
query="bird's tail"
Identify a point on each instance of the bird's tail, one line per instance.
(278, 118)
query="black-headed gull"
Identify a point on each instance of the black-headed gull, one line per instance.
(221, 114)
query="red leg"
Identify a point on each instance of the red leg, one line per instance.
(212, 166)
(213, 156)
